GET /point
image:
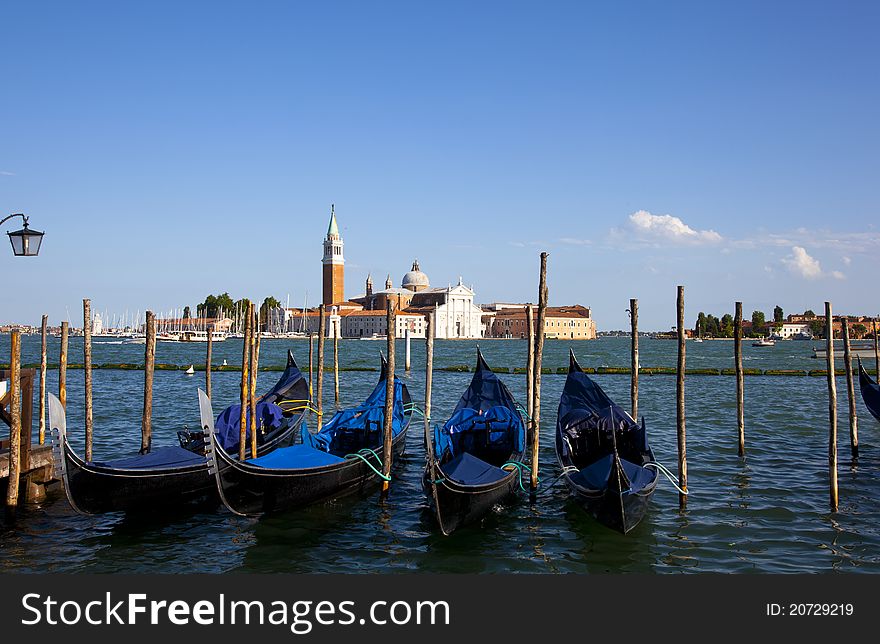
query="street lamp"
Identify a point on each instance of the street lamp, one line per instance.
(25, 242)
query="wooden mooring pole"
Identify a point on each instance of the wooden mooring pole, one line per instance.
(319, 394)
(850, 393)
(336, 363)
(634, 358)
(406, 336)
(42, 407)
(208, 361)
(389, 398)
(245, 385)
(832, 407)
(15, 420)
(680, 412)
(876, 353)
(429, 379)
(311, 362)
(539, 351)
(62, 365)
(738, 366)
(530, 368)
(87, 367)
(149, 365)
(255, 371)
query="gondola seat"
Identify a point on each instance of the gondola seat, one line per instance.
(157, 457)
(470, 470)
(490, 436)
(295, 457)
(596, 475)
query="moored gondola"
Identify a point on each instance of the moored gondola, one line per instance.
(476, 454)
(174, 474)
(604, 453)
(344, 457)
(870, 392)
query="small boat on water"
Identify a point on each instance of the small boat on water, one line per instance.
(604, 453)
(870, 392)
(190, 370)
(855, 351)
(172, 475)
(764, 342)
(476, 454)
(344, 457)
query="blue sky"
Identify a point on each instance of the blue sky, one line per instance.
(172, 151)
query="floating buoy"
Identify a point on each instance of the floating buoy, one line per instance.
(190, 371)
(224, 362)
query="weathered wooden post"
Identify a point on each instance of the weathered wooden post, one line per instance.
(255, 372)
(149, 365)
(680, 416)
(311, 362)
(208, 361)
(15, 420)
(851, 393)
(87, 368)
(320, 390)
(539, 351)
(43, 337)
(876, 353)
(245, 384)
(62, 365)
(406, 337)
(530, 367)
(336, 363)
(832, 407)
(634, 357)
(389, 397)
(740, 393)
(429, 379)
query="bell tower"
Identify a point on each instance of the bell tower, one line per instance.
(333, 263)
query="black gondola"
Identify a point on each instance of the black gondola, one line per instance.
(604, 453)
(468, 472)
(870, 392)
(344, 457)
(170, 475)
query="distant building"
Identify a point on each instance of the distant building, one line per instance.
(563, 322)
(333, 264)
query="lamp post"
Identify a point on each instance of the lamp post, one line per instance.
(25, 242)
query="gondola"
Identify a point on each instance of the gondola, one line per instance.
(344, 457)
(870, 392)
(172, 475)
(471, 466)
(604, 453)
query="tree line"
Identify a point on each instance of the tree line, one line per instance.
(214, 305)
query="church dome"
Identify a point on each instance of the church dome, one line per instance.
(415, 280)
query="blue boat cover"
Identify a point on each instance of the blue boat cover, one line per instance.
(470, 470)
(596, 475)
(157, 458)
(228, 423)
(485, 422)
(295, 457)
(269, 413)
(349, 431)
(360, 427)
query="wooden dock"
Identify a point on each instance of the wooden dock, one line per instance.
(37, 461)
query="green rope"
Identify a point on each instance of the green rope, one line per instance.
(412, 407)
(519, 467)
(370, 465)
(523, 411)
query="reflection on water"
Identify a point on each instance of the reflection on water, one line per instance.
(764, 513)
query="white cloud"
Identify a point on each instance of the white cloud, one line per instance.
(846, 260)
(576, 242)
(838, 275)
(800, 263)
(669, 228)
(6, 173)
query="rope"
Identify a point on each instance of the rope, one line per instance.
(523, 411)
(669, 475)
(370, 465)
(549, 486)
(518, 467)
(412, 407)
